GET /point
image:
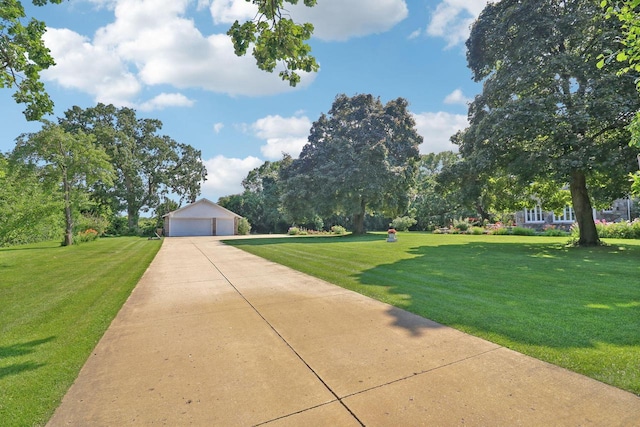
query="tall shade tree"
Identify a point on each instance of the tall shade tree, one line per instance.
(627, 12)
(276, 38)
(22, 56)
(71, 160)
(546, 112)
(148, 166)
(359, 158)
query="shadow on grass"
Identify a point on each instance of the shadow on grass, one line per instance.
(538, 294)
(17, 350)
(532, 294)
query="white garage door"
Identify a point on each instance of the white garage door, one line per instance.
(191, 227)
(224, 227)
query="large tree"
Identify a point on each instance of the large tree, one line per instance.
(149, 166)
(359, 158)
(71, 160)
(546, 112)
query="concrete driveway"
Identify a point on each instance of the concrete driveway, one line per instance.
(213, 336)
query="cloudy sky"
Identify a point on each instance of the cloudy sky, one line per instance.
(171, 60)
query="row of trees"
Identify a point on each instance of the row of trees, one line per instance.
(550, 117)
(98, 161)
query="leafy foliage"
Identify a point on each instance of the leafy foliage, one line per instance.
(148, 166)
(276, 38)
(547, 113)
(244, 227)
(361, 156)
(71, 161)
(29, 211)
(22, 56)
(403, 223)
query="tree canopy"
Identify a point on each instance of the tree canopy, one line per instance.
(72, 162)
(276, 38)
(149, 166)
(546, 112)
(360, 157)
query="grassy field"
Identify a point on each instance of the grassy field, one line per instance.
(574, 307)
(55, 304)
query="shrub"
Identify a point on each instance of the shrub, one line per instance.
(499, 231)
(403, 223)
(293, 231)
(552, 231)
(244, 227)
(618, 230)
(85, 236)
(88, 221)
(461, 224)
(523, 231)
(338, 229)
(477, 230)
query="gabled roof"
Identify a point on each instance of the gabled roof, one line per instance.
(201, 201)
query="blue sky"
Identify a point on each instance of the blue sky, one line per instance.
(171, 60)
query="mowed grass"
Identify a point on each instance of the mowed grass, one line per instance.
(574, 307)
(55, 304)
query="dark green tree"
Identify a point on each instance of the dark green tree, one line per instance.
(148, 166)
(547, 113)
(276, 38)
(435, 204)
(260, 201)
(359, 158)
(71, 160)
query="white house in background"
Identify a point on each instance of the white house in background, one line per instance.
(201, 218)
(538, 218)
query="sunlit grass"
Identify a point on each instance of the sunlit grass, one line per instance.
(55, 304)
(575, 307)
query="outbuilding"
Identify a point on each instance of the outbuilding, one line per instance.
(201, 218)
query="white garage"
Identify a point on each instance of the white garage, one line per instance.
(201, 218)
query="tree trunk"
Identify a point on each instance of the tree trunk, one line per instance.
(68, 219)
(358, 219)
(132, 217)
(583, 210)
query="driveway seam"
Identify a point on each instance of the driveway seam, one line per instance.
(338, 399)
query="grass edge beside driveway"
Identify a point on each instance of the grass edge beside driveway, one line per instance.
(56, 303)
(578, 308)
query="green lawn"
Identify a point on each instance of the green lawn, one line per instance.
(55, 304)
(578, 308)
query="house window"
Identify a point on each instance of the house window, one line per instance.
(534, 215)
(567, 215)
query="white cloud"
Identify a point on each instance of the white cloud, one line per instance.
(452, 19)
(415, 34)
(218, 127)
(283, 135)
(457, 97)
(332, 19)
(437, 128)
(225, 175)
(165, 100)
(341, 20)
(152, 42)
(96, 70)
(228, 11)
